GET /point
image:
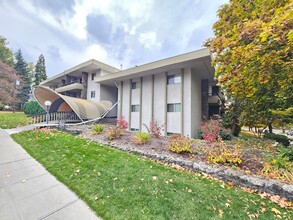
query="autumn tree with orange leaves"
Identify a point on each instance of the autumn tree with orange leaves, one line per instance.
(252, 54)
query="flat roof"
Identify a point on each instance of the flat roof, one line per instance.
(96, 65)
(182, 58)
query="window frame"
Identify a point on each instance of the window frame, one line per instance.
(93, 76)
(133, 85)
(174, 79)
(174, 107)
(93, 94)
(135, 108)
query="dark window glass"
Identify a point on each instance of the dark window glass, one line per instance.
(174, 107)
(135, 108)
(133, 85)
(93, 76)
(173, 79)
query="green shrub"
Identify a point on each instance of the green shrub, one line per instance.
(1, 106)
(98, 128)
(279, 167)
(32, 108)
(288, 152)
(225, 134)
(141, 138)
(279, 138)
(180, 144)
(199, 134)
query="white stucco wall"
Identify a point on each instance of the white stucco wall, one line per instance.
(134, 120)
(195, 102)
(146, 106)
(160, 98)
(135, 96)
(187, 96)
(92, 86)
(108, 93)
(126, 100)
(174, 93)
(120, 99)
(173, 122)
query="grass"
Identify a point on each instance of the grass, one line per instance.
(13, 120)
(120, 185)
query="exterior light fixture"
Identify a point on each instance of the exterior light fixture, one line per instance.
(47, 104)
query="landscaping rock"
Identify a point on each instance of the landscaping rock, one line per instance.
(224, 173)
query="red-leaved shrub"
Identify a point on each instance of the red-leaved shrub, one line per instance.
(122, 123)
(155, 128)
(213, 130)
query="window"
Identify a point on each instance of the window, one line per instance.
(93, 76)
(215, 90)
(135, 108)
(134, 85)
(173, 79)
(134, 129)
(93, 94)
(174, 107)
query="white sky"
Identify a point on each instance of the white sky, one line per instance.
(68, 32)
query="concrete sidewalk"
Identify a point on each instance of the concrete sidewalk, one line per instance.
(28, 191)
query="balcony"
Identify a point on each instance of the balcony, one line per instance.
(69, 87)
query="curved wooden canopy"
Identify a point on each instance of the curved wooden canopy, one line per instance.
(84, 109)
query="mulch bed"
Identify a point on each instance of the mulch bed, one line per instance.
(252, 159)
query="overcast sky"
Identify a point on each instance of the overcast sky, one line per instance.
(68, 32)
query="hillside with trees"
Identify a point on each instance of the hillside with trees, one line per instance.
(18, 76)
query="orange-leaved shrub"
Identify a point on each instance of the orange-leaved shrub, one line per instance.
(114, 132)
(118, 130)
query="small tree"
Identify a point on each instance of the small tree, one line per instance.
(40, 70)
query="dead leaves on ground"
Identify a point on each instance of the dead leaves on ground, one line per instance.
(282, 202)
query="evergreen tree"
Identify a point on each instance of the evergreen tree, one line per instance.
(40, 70)
(21, 68)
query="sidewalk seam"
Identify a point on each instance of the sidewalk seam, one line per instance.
(57, 210)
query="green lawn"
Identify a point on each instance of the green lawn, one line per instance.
(120, 185)
(13, 120)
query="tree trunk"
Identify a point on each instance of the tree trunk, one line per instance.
(270, 127)
(234, 125)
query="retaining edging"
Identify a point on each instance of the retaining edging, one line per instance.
(254, 182)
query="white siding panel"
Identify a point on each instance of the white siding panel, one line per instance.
(173, 122)
(160, 97)
(135, 96)
(187, 103)
(109, 93)
(146, 107)
(195, 103)
(126, 100)
(174, 93)
(134, 120)
(92, 86)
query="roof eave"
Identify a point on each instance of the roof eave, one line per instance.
(195, 55)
